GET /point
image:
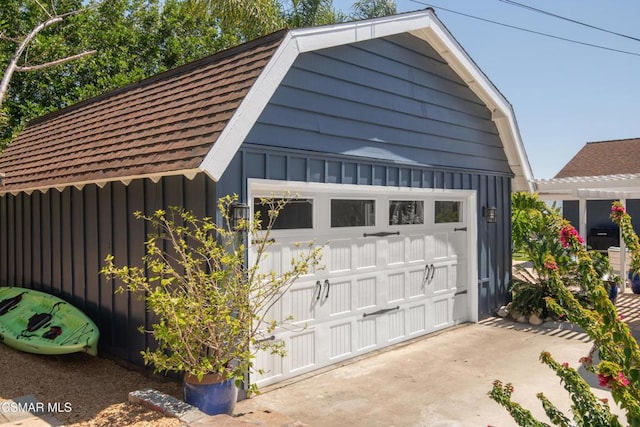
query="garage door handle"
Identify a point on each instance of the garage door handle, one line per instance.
(326, 282)
(271, 338)
(382, 234)
(383, 311)
(427, 271)
(460, 229)
(319, 286)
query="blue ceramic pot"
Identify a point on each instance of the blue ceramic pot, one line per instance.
(213, 395)
(634, 278)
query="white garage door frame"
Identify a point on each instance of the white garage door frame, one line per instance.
(274, 188)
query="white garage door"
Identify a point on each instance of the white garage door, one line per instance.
(397, 265)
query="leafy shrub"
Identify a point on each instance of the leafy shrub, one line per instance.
(213, 309)
(619, 368)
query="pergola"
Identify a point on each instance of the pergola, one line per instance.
(582, 188)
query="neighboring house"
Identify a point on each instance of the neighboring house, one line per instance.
(601, 172)
(395, 143)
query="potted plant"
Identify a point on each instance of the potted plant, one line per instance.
(212, 308)
(634, 279)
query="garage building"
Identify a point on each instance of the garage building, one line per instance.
(402, 155)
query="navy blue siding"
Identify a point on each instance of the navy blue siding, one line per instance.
(494, 240)
(57, 242)
(393, 98)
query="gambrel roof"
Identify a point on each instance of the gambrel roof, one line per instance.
(194, 118)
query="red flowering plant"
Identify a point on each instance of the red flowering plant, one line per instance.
(570, 238)
(588, 408)
(619, 354)
(535, 228)
(620, 216)
(538, 231)
(618, 350)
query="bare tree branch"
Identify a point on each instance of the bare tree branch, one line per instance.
(4, 85)
(13, 64)
(3, 36)
(56, 62)
(44, 9)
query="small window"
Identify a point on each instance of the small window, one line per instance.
(446, 211)
(353, 213)
(406, 212)
(297, 213)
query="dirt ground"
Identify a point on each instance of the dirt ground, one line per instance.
(90, 391)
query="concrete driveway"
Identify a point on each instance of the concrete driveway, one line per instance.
(438, 380)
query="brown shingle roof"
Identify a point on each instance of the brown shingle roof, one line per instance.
(166, 123)
(604, 158)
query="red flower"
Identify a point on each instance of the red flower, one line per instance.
(622, 380)
(565, 365)
(569, 236)
(603, 380)
(617, 210)
(606, 380)
(551, 265)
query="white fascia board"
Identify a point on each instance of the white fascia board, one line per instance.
(502, 111)
(311, 39)
(245, 116)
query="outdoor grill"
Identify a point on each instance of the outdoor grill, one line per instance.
(601, 238)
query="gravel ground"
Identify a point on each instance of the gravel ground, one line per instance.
(90, 391)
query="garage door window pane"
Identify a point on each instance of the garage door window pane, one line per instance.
(448, 212)
(353, 213)
(406, 212)
(297, 213)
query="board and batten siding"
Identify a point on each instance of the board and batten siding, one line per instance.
(393, 98)
(57, 241)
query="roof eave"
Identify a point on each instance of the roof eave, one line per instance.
(126, 180)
